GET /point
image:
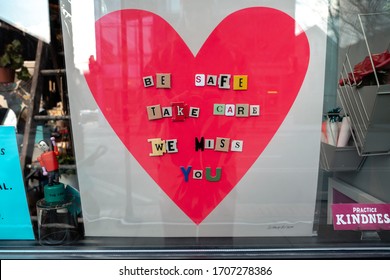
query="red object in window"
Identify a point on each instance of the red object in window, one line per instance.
(361, 70)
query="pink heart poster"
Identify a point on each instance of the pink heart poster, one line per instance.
(193, 122)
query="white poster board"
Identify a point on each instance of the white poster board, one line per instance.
(193, 118)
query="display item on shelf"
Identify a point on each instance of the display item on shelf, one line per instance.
(363, 72)
(336, 130)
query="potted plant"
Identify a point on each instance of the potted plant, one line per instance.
(12, 62)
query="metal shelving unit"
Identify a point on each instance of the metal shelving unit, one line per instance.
(367, 101)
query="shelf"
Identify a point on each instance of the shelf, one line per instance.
(368, 108)
(349, 192)
(340, 158)
(49, 72)
(364, 88)
(36, 166)
(51, 118)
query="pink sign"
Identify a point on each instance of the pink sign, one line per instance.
(356, 216)
(197, 122)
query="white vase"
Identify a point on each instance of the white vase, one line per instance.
(332, 131)
(345, 133)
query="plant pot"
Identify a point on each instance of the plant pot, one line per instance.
(7, 75)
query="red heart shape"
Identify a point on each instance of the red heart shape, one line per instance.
(263, 43)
